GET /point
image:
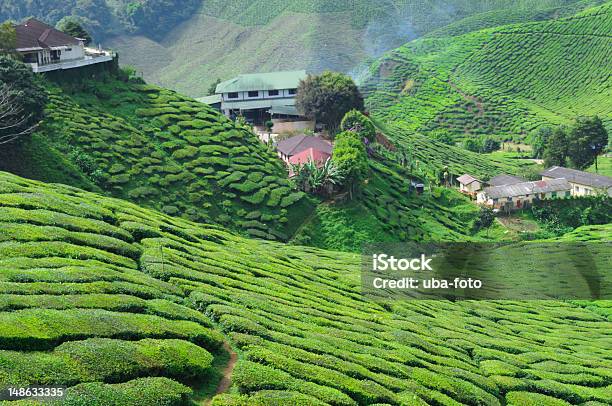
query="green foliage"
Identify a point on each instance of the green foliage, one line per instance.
(356, 121)
(71, 26)
(24, 97)
(587, 139)
(327, 97)
(572, 213)
(8, 39)
(505, 81)
(142, 313)
(555, 153)
(486, 218)
(539, 140)
(133, 140)
(350, 157)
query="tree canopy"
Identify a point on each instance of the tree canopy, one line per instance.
(8, 39)
(23, 99)
(356, 121)
(587, 139)
(326, 98)
(350, 157)
(555, 153)
(71, 26)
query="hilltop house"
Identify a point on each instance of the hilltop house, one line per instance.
(469, 184)
(47, 49)
(263, 96)
(583, 183)
(521, 195)
(302, 148)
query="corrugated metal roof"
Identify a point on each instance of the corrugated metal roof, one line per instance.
(576, 176)
(466, 179)
(215, 98)
(504, 179)
(258, 104)
(262, 81)
(528, 188)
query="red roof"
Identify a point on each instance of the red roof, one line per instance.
(36, 34)
(318, 157)
(296, 144)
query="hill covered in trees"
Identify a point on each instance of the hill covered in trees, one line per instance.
(126, 305)
(503, 82)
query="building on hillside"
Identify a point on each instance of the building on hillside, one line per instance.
(47, 49)
(501, 180)
(521, 195)
(583, 183)
(469, 184)
(300, 148)
(260, 97)
(213, 101)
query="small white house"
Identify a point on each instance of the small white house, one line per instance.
(583, 183)
(47, 49)
(469, 184)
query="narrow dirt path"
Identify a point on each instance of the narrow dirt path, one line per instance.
(226, 380)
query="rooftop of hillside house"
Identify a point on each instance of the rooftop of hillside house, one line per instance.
(262, 81)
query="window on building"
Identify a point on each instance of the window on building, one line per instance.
(292, 91)
(232, 95)
(272, 92)
(554, 194)
(510, 199)
(567, 193)
(253, 93)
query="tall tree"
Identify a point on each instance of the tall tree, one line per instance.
(539, 140)
(555, 153)
(22, 100)
(350, 158)
(8, 39)
(71, 26)
(326, 98)
(587, 139)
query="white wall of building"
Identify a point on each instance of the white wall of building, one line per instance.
(261, 95)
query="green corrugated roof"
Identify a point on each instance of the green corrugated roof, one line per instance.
(215, 98)
(262, 81)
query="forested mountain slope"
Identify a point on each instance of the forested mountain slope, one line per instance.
(502, 81)
(112, 299)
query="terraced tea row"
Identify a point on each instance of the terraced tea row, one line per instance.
(498, 81)
(171, 153)
(304, 333)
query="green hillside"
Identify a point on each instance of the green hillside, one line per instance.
(259, 35)
(161, 150)
(502, 81)
(128, 306)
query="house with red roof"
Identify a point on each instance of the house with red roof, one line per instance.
(46, 49)
(300, 149)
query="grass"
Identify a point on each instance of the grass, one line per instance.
(304, 333)
(604, 166)
(497, 81)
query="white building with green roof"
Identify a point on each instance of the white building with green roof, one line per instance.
(261, 96)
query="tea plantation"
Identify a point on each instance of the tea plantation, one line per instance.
(130, 306)
(503, 81)
(164, 151)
